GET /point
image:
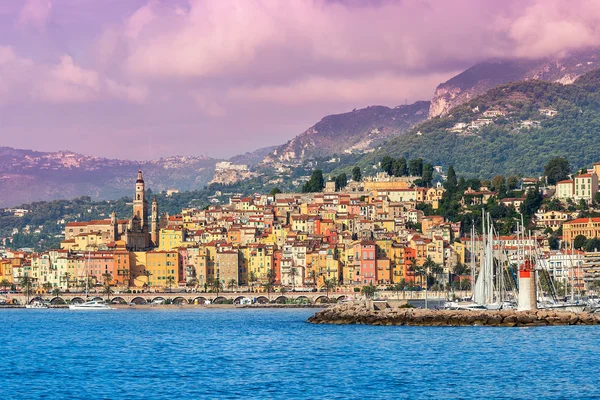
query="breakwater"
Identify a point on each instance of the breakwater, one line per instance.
(356, 313)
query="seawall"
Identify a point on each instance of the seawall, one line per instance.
(360, 314)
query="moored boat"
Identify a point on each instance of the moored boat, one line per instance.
(37, 304)
(91, 305)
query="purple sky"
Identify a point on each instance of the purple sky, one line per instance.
(142, 79)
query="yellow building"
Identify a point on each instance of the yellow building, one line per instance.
(161, 265)
(171, 238)
(6, 271)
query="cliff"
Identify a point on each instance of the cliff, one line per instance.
(487, 75)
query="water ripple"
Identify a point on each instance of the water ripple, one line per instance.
(274, 354)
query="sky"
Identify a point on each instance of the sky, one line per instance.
(142, 79)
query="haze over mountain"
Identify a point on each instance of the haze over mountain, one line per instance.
(514, 128)
(27, 176)
(486, 75)
(142, 79)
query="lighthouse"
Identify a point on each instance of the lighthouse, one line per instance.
(527, 287)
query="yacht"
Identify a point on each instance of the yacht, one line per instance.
(36, 304)
(91, 305)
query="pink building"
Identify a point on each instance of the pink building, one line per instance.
(365, 260)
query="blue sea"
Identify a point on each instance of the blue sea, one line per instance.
(275, 354)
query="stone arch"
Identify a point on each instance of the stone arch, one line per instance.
(238, 300)
(58, 300)
(281, 300)
(303, 300)
(179, 300)
(262, 300)
(118, 300)
(36, 298)
(219, 300)
(138, 300)
(322, 300)
(77, 300)
(199, 300)
(97, 298)
(342, 298)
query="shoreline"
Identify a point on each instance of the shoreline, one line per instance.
(175, 306)
(351, 314)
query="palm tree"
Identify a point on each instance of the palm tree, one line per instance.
(399, 287)
(25, 282)
(47, 286)
(268, 286)
(417, 269)
(107, 290)
(66, 278)
(56, 292)
(252, 279)
(369, 290)
(216, 285)
(293, 273)
(460, 270)
(147, 274)
(329, 285)
(4, 283)
(232, 284)
(428, 265)
(437, 270)
(107, 278)
(312, 275)
(170, 282)
(271, 276)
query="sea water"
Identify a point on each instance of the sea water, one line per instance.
(274, 354)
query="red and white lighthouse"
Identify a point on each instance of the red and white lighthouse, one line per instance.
(527, 287)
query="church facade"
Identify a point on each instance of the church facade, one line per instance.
(138, 233)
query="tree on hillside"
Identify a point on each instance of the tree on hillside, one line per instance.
(413, 167)
(274, 191)
(556, 170)
(427, 175)
(315, 183)
(579, 242)
(399, 167)
(451, 180)
(387, 163)
(356, 174)
(512, 182)
(341, 181)
(532, 203)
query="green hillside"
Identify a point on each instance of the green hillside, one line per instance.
(507, 146)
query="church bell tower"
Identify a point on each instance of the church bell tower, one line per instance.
(140, 205)
(154, 223)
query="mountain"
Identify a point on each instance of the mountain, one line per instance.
(252, 158)
(27, 176)
(355, 131)
(484, 76)
(512, 129)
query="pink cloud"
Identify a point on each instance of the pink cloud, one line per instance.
(35, 13)
(383, 88)
(555, 27)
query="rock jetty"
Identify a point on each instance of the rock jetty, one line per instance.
(360, 314)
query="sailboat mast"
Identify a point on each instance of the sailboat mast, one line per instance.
(572, 277)
(473, 262)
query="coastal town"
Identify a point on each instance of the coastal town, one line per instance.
(380, 231)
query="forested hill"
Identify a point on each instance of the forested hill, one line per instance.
(517, 135)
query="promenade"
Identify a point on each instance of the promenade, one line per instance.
(222, 297)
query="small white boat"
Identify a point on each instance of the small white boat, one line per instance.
(36, 304)
(91, 305)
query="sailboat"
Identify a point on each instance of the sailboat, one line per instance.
(90, 304)
(572, 304)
